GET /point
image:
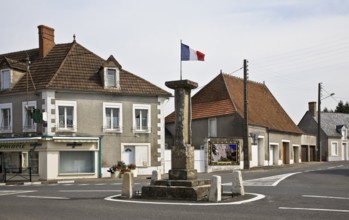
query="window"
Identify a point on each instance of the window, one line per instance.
(112, 117)
(344, 133)
(141, 118)
(66, 115)
(212, 127)
(76, 162)
(334, 149)
(5, 78)
(28, 122)
(6, 118)
(111, 77)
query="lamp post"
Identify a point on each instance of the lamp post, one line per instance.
(319, 120)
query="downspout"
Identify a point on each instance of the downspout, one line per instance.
(100, 157)
(268, 147)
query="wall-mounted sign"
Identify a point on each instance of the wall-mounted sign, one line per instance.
(12, 146)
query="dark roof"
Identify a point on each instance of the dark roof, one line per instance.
(72, 67)
(224, 96)
(330, 121)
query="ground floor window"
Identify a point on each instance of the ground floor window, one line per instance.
(76, 162)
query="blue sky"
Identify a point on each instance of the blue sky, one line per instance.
(291, 45)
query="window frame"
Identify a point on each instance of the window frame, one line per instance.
(10, 120)
(26, 128)
(111, 105)
(2, 80)
(134, 120)
(108, 84)
(334, 148)
(73, 104)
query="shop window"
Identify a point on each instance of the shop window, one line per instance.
(141, 118)
(6, 118)
(76, 162)
(112, 117)
(66, 115)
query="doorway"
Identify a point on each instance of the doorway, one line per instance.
(285, 152)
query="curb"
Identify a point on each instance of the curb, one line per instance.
(37, 183)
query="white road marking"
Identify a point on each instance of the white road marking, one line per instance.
(266, 181)
(97, 190)
(42, 197)
(324, 197)
(12, 192)
(257, 197)
(314, 209)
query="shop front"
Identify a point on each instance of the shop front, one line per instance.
(49, 158)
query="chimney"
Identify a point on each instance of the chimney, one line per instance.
(46, 40)
(312, 108)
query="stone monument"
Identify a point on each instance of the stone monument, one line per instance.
(182, 182)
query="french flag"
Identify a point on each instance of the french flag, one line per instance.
(188, 53)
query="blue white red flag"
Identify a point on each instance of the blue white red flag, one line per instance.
(188, 53)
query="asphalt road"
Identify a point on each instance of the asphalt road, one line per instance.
(302, 191)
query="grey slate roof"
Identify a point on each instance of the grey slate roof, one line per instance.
(330, 121)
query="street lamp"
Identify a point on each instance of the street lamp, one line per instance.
(319, 120)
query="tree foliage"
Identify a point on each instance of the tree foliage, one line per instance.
(342, 108)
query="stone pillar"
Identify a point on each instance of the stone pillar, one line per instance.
(216, 189)
(155, 176)
(237, 184)
(127, 185)
(182, 159)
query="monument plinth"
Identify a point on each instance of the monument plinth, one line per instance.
(182, 182)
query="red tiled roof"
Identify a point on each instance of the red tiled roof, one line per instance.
(72, 67)
(224, 96)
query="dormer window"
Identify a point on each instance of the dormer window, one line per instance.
(111, 79)
(344, 133)
(5, 78)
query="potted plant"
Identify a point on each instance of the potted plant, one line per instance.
(132, 168)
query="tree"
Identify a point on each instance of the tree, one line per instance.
(342, 108)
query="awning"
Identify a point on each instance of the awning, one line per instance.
(76, 139)
(19, 140)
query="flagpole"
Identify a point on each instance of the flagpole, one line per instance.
(180, 66)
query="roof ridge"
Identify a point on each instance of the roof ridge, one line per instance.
(248, 80)
(62, 63)
(229, 94)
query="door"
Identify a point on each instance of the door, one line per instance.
(254, 155)
(129, 154)
(312, 153)
(344, 151)
(304, 153)
(285, 153)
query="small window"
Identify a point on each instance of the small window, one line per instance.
(66, 115)
(28, 122)
(6, 118)
(212, 127)
(334, 149)
(344, 133)
(112, 117)
(5, 77)
(111, 78)
(141, 118)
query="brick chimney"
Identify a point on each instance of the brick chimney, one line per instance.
(312, 108)
(46, 40)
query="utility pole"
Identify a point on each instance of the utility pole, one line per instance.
(245, 137)
(319, 123)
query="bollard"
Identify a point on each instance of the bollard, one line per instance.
(155, 175)
(215, 194)
(127, 185)
(237, 184)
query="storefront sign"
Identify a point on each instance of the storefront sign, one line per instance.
(12, 146)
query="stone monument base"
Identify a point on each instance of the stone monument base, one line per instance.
(182, 174)
(193, 190)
